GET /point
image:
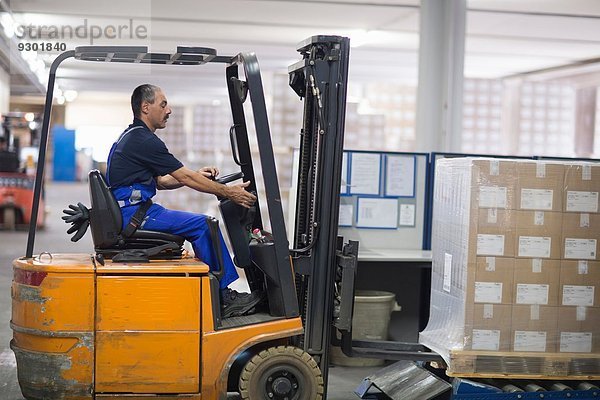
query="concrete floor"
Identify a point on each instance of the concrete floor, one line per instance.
(342, 380)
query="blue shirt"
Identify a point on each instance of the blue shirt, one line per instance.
(138, 156)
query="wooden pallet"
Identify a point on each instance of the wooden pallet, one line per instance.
(524, 365)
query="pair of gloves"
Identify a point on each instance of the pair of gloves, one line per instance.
(79, 218)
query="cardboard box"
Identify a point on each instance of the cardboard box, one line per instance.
(536, 281)
(540, 186)
(581, 187)
(579, 283)
(538, 234)
(491, 233)
(580, 236)
(533, 328)
(578, 329)
(490, 280)
(488, 327)
(493, 184)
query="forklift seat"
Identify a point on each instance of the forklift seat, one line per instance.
(106, 223)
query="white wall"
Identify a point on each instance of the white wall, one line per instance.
(99, 110)
(98, 120)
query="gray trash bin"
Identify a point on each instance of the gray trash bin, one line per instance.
(371, 320)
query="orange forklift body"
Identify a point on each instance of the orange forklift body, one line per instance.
(16, 198)
(84, 330)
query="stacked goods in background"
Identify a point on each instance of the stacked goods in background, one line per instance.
(516, 272)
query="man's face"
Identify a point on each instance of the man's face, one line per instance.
(158, 112)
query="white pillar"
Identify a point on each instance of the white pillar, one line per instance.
(441, 66)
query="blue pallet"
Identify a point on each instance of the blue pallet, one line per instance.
(464, 389)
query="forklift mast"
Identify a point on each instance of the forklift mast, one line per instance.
(320, 78)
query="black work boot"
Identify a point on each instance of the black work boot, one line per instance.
(234, 304)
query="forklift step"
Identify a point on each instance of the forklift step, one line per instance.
(403, 380)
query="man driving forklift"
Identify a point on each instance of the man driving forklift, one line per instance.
(139, 163)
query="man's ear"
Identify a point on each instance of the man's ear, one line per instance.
(145, 106)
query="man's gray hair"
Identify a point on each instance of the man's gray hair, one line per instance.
(142, 93)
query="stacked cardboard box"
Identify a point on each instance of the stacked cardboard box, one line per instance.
(515, 262)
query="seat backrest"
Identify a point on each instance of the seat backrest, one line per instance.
(106, 221)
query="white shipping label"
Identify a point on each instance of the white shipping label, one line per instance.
(586, 172)
(488, 292)
(490, 263)
(536, 199)
(534, 246)
(492, 216)
(530, 293)
(584, 220)
(534, 312)
(540, 170)
(494, 167)
(538, 218)
(490, 245)
(580, 313)
(582, 267)
(488, 311)
(582, 249)
(576, 342)
(582, 201)
(536, 265)
(530, 341)
(574, 295)
(484, 339)
(492, 197)
(447, 272)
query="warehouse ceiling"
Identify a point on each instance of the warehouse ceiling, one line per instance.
(504, 37)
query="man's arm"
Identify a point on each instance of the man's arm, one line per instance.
(201, 183)
(167, 182)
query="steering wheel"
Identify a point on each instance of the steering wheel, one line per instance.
(230, 178)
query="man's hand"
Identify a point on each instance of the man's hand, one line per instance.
(238, 194)
(209, 172)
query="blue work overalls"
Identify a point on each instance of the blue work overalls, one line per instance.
(192, 227)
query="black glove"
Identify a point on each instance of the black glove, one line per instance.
(76, 213)
(79, 218)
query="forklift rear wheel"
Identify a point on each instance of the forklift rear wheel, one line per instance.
(279, 373)
(10, 218)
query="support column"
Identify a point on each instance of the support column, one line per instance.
(441, 70)
(585, 121)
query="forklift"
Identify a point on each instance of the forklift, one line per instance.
(138, 318)
(16, 184)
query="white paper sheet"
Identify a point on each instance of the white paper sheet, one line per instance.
(490, 245)
(364, 173)
(582, 201)
(536, 199)
(574, 295)
(535, 246)
(400, 176)
(530, 293)
(484, 339)
(530, 341)
(488, 292)
(576, 342)
(346, 213)
(447, 272)
(492, 197)
(344, 184)
(407, 215)
(377, 213)
(582, 249)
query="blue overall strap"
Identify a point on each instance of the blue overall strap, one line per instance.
(113, 148)
(135, 193)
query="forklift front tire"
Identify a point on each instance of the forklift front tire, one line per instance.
(282, 372)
